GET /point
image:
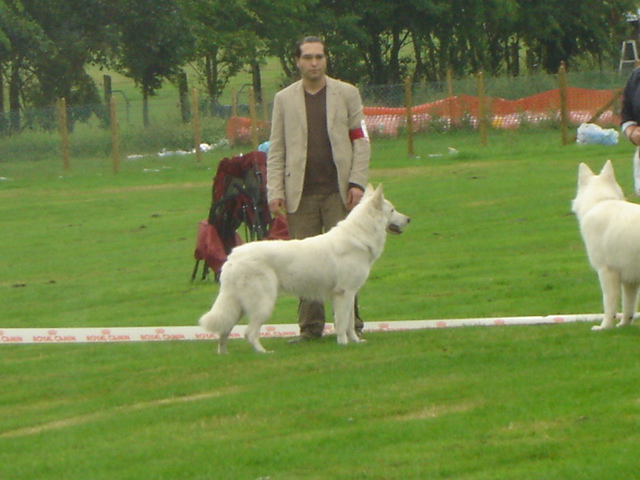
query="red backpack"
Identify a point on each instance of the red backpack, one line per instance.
(239, 196)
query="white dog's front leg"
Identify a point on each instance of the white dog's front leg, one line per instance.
(344, 317)
(610, 284)
(351, 328)
(629, 303)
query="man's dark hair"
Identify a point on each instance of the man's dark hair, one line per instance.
(308, 40)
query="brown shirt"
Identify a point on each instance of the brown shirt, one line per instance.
(321, 176)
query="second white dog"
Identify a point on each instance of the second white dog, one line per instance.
(333, 266)
(610, 228)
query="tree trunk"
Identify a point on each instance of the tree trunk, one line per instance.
(377, 64)
(14, 97)
(257, 81)
(185, 106)
(145, 107)
(395, 76)
(3, 119)
(211, 76)
(286, 68)
(514, 52)
(419, 72)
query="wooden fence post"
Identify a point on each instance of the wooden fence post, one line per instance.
(254, 119)
(234, 103)
(482, 114)
(265, 109)
(64, 132)
(108, 93)
(450, 100)
(196, 125)
(115, 142)
(614, 98)
(564, 111)
(407, 102)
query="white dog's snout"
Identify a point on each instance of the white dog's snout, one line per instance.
(397, 223)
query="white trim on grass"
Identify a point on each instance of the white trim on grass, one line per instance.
(16, 336)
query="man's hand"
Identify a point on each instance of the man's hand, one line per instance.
(633, 134)
(278, 207)
(353, 197)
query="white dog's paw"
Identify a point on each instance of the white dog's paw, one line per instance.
(261, 349)
(258, 348)
(601, 327)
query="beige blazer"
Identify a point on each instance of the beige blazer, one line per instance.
(287, 157)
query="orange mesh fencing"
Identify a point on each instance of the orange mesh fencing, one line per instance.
(582, 104)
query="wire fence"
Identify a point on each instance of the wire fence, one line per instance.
(559, 101)
(176, 124)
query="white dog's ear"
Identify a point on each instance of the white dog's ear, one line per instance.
(607, 170)
(368, 191)
(584, 173)
(377, 197)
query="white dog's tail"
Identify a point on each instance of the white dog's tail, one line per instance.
(224, 314)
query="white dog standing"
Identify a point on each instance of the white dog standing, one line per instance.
(333, 266)
(610, 228)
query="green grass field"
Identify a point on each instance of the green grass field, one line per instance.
(491, 235)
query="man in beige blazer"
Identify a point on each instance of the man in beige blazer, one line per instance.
(318, 160)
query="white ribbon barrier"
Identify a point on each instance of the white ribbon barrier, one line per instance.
(157, 334)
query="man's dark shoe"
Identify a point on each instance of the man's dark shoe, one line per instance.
(304, 337)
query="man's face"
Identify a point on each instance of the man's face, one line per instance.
(312, 63)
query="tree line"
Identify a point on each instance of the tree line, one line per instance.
(47, 45)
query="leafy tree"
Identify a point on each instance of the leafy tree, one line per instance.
(50, 44)
(26, 39)
(339, 24)
(156, 41)
(369, 42)
(561, 30)
(5, 44)
(225, 41)
(78, 33)
(381, 25)
(280, 25)
(46, 45)
(5, 49)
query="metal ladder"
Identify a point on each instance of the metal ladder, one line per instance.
(628, 49)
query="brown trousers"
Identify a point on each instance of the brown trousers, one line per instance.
(316, 214)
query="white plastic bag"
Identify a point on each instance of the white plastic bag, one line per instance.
(590, 133)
